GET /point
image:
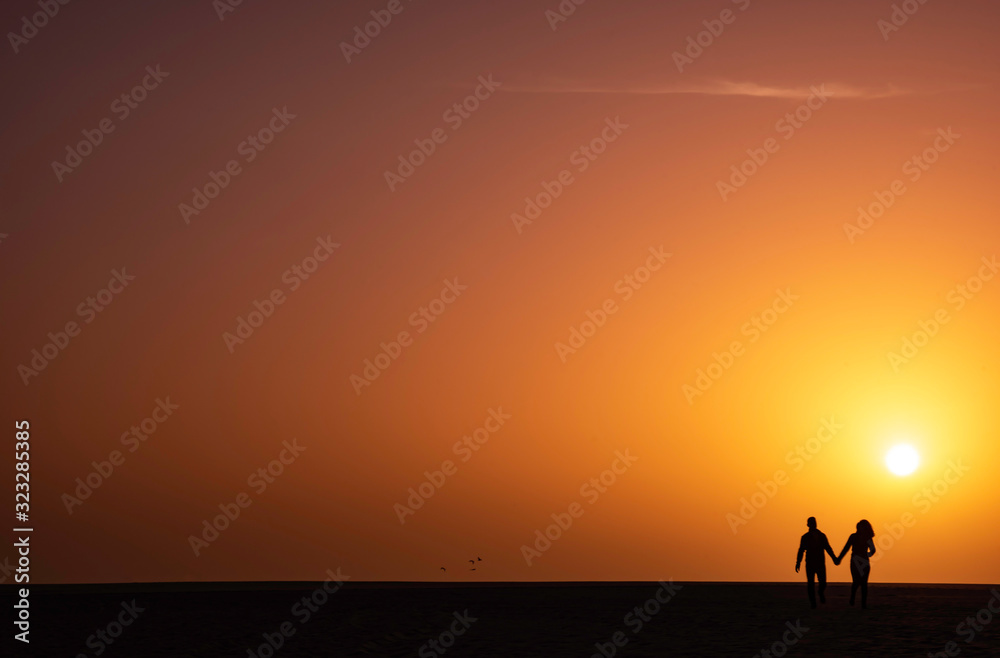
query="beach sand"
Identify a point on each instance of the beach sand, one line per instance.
(568, 619)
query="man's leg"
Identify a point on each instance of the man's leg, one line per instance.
(811, 586)
(821, 577)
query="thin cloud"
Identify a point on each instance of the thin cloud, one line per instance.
(725, 88)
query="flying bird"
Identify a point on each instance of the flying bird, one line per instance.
(443, 569)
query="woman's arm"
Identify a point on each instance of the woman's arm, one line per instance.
(871, 548)
(846, 546)
(829, 549)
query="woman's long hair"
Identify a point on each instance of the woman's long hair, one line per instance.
(865, 529)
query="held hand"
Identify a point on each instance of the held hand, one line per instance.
(836, 561)
(797, 565)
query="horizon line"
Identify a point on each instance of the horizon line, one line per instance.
(247, 584)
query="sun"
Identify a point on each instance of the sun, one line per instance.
(902, 459)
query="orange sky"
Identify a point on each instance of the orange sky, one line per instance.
(642, 234)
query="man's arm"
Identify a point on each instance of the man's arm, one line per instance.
(802, 549)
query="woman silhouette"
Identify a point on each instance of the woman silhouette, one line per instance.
(862, 547)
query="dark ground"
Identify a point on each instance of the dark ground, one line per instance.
(391, 619)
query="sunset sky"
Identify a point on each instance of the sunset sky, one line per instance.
(637, 135)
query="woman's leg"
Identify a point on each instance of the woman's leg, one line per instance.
(855, 579)
(865, 571)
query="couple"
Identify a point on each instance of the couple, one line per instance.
(815, 542)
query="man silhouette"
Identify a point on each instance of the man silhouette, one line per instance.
(813, 544)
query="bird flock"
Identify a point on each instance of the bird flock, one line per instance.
(473, 562)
